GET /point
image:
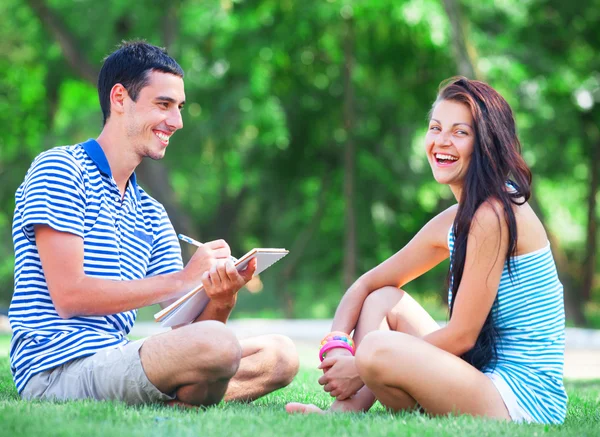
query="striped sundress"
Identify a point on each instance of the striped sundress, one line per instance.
(528, 313)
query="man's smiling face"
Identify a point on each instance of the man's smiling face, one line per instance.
(156, 115)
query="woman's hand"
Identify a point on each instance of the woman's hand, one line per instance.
(341, 378)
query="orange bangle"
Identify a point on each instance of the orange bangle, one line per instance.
(334, 333)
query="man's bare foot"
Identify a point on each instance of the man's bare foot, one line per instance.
(298, 408)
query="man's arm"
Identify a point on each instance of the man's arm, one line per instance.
(76, 294)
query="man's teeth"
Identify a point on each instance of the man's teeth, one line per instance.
(446, 157)
(162, 136)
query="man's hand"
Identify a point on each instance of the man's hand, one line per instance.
(223, 281)
(206, 257)
(341, 380)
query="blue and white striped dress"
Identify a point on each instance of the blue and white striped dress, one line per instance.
(528, 314)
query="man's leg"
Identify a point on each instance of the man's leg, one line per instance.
(195, 362)
(269, 362)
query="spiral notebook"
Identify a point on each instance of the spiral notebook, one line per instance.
(188, 307)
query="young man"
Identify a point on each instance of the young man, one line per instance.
(91, 247)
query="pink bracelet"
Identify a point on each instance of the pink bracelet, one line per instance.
(333, 345)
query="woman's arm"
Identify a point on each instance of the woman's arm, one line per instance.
(426, 250)
(486, 254)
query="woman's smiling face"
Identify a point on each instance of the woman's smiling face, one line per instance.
(449, 142)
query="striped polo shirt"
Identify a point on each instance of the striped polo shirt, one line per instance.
(529, 317)
(71, 189)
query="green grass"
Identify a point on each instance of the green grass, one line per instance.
(266, 416)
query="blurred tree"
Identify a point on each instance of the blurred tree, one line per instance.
(542, 52)
(304, 123)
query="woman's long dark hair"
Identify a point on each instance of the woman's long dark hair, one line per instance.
(496, 161)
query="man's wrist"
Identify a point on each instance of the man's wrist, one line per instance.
(224, 304)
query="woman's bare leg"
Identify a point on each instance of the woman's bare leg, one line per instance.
(388, 308)
(396, 366)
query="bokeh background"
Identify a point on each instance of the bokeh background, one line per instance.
(305, 120)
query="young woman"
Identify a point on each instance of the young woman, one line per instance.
(501, 354)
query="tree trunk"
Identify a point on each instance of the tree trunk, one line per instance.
(71, 50)
(170, 24)
(227, 213)
(589, 264)
(298, 248)
(463, 51)
(349, 158)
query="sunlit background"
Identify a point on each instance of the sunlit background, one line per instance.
(304, 125)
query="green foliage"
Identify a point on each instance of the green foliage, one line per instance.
(260, 161)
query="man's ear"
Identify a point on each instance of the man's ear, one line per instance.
(118, 95)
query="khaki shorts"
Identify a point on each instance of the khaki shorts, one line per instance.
(109, 374)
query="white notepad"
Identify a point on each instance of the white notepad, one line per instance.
(189, 306)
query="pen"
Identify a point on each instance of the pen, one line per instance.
(198, 244)
(189, 240)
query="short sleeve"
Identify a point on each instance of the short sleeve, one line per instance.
(166, 252)
(52, 194)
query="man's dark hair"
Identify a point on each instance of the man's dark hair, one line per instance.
(130, 65)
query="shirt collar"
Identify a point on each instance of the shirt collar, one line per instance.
(95, 152)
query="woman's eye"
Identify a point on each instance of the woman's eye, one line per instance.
(434, 128)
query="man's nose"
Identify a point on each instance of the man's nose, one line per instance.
(175, 120)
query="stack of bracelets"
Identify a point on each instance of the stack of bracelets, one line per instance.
(334, 340)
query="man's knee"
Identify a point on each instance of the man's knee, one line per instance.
(215, 348)
(283, 359)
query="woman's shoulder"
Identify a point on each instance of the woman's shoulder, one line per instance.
(446, 218)
(439, 226)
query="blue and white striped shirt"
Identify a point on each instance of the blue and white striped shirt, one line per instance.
(71, 189)
(529, 316)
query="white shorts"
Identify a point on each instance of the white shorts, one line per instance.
(517, 414)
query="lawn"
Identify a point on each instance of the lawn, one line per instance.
(266, 416)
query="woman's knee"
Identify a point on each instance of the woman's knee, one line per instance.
(385, 297)
(374, 355)
(382, 301)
